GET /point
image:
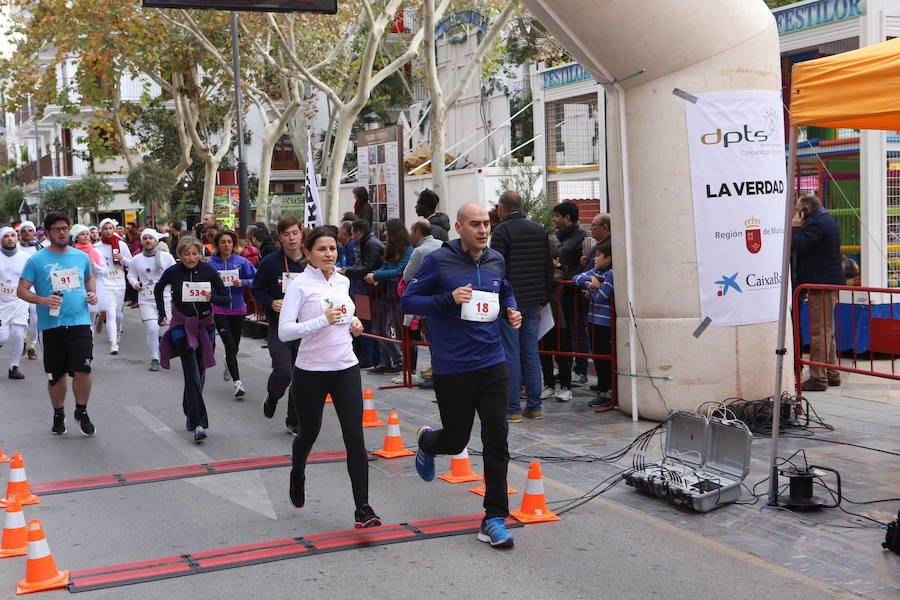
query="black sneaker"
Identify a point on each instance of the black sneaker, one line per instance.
(59, 422)
(393, 370)
(291, 427)
(269, 407)
(365, 517)
(87, 428)
(32, 355)
(297, 492)
(381, 370)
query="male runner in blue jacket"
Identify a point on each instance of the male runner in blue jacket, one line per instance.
(462, 289)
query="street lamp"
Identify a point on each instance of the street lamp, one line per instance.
(371, 121)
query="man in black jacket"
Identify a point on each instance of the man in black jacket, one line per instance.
(273, 276)
(369, 256)
(426, 205)
(529, 269)
(816, 240)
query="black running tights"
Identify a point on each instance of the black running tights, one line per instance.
(308, 391)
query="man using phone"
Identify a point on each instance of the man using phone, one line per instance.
(816, 241)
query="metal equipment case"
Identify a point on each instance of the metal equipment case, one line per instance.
(704, 461)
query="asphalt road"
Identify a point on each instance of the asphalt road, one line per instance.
(600, 550)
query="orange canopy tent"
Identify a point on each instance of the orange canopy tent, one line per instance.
(856, 90)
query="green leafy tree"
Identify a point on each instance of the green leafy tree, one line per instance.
(10, 200)
(59, 199)
(526, 180)
(151, 184)
(91, 193)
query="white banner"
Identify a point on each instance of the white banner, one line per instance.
(313, 212)
(736, 142)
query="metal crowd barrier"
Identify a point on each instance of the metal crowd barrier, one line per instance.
(865, 326)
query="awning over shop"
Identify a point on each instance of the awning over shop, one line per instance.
(856, 90)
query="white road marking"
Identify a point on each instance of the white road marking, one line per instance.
(245, 488)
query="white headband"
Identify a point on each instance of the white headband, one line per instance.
(5, 230)
(79, 229)
(156, 235)
(113, 222)
(25, 224)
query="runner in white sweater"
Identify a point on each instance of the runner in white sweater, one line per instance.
(13, 311)
(317, 308)
(145, 270)
(116, 256)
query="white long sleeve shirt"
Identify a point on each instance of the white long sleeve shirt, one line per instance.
(324, 347)
(147, 270)
(115, 272)
(13, 311)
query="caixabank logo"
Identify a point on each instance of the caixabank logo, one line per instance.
(750, 282)
(764, 131)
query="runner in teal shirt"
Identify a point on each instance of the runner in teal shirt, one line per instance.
(42, 268)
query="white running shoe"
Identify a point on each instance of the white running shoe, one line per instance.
(547, 393)
(564, 395)
(399, 379)
(114, 348)
(239, 390)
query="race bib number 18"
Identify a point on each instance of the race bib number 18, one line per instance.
(483, 307)
(192, 291)
(65, 279)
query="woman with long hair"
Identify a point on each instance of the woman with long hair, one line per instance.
(318, 310)
(237, 274)
(192, 332)
(397, 250)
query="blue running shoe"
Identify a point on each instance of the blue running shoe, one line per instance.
(424, 461)
(199, 434)
(493, 531)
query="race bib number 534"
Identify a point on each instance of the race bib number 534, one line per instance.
(192, 291)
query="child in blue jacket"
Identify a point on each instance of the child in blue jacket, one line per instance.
(599, 284)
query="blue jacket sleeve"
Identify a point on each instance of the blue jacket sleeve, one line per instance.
(507, 299)
(247, 272)
(423, 296)
(582, 279)
(603, 294)
(395, 270)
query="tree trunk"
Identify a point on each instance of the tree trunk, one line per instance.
(265, 174)
(336, 166)
(438, 143)
(210, 168)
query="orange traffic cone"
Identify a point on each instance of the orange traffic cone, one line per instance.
(15, 535)
(328, 399)
(370, 417)
(460, 469)
(40, 569)
(534, 506)
(3, 458)
(17, 487)
(393, 443)
(481, 490)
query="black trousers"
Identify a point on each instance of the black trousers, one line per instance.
(601, 341)
(230, 328)
(283, 356)
(549, 342)
(308, 391)
(194, 379)
(459, 397)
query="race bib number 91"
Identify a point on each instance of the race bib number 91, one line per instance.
(192, 291)
(65, 279)
(483, 307)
